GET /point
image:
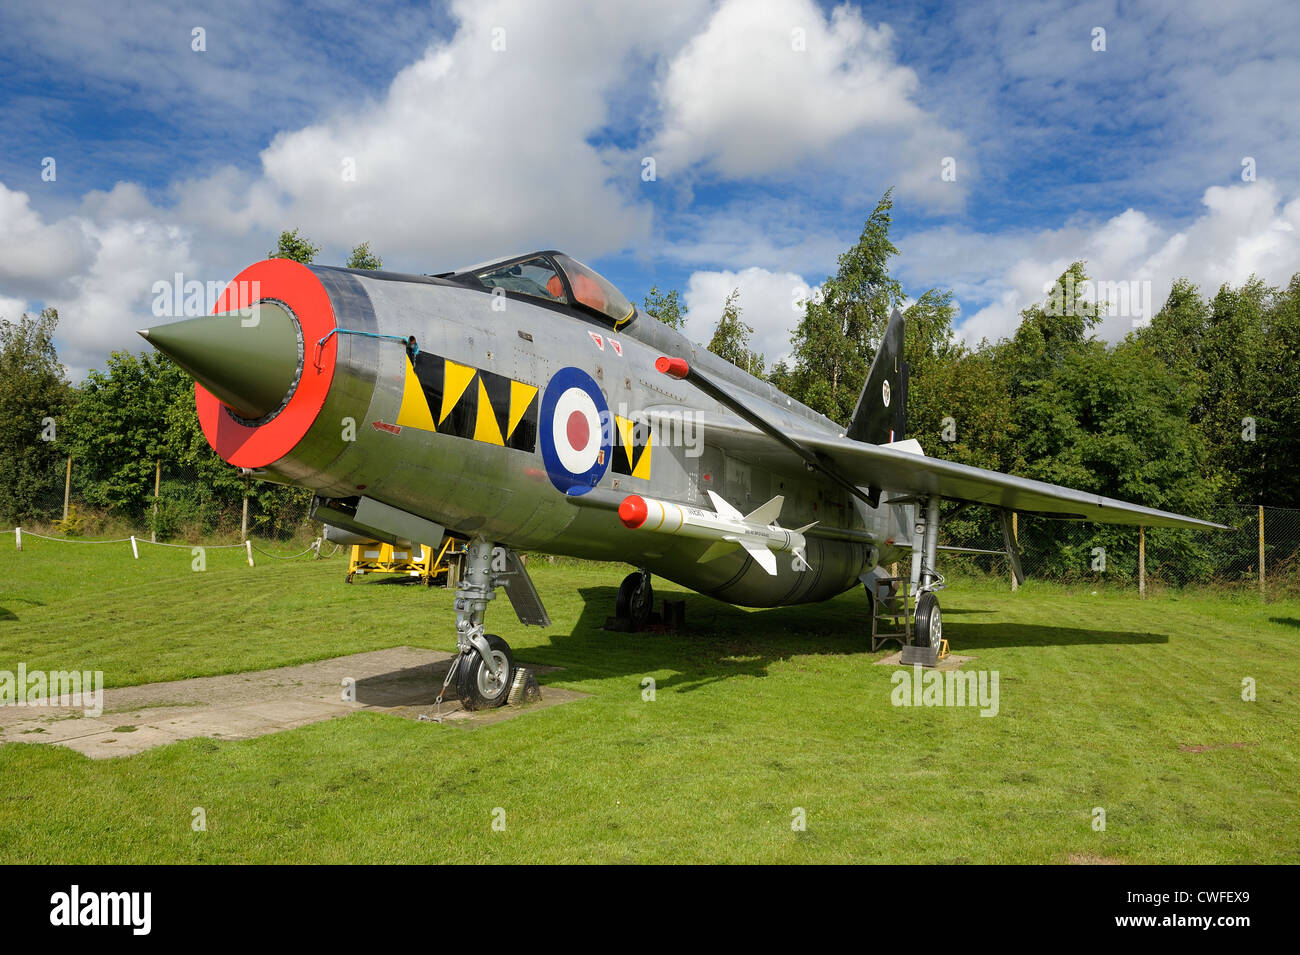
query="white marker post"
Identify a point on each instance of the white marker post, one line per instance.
(135, 551)
(248, 545)
(18, 537)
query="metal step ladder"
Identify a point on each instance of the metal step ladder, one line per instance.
(890, 610)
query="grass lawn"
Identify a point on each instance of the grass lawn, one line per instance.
(1105, 701)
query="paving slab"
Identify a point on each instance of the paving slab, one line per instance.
(401, 681)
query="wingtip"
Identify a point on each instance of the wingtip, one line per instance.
(143, 333)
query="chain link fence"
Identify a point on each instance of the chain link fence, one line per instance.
(1076, 552)
(187, 511)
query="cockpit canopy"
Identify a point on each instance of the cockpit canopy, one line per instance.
(553, 277)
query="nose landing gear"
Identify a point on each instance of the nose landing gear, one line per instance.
(484, 666)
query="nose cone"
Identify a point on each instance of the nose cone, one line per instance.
(249, 360)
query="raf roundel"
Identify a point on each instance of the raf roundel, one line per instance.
(574, 432)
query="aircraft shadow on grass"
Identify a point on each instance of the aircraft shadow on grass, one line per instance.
(721, 641)
(6, 614)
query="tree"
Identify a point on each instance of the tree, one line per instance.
(1237, 356)
(363, 258)
(1051, 331)
(117, 431)
(294, 246)
(666, 307)
(731, 338)
(34, 398)
(842, 326)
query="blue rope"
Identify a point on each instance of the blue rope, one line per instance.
(354, 331)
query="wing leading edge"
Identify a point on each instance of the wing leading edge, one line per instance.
(907, 475)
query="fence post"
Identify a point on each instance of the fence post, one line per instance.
(1261, 552)
(18, 537)
(1015, 539)
(157, 480)
(67, 489)
(243, 521)
(1142, 561)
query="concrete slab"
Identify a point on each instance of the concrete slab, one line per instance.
(402, 681)
(951, 662)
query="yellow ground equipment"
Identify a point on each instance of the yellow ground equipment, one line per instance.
(419, 560)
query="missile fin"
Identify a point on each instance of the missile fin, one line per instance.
(718, 549)
(767, 514)
(762, 556)
(806, 528)
(723, 508)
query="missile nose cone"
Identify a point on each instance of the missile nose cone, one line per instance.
(249, 360)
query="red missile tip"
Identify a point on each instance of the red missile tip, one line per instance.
(633, 511)
(673, 367)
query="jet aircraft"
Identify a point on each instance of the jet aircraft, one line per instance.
(526, 405)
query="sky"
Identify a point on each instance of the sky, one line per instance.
(702, 146)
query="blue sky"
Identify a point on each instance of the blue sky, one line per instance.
(478, 129)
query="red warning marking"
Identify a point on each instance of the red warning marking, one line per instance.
(385, 426)
(618, 349)
(600, 342)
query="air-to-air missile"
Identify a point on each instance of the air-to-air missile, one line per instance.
(757, 532)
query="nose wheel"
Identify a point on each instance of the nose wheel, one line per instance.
(476, 685)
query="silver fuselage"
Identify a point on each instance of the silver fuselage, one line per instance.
(503, 494)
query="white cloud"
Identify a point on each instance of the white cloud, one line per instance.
(771, 83)
(767, 303)
(12, 309)
(1244, 230)
(36, 258)
(480, 147)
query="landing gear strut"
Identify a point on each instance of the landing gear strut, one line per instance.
(484, 665)
(925, 547)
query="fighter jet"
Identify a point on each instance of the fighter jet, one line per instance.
(526, 405)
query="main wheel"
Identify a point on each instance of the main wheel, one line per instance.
(929, 622)
(635, 599)
(477, 688)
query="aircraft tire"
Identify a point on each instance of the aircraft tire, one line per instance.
(474, 684)
(635, 599)
(928, 620)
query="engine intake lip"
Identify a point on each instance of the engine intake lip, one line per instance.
(256, 444)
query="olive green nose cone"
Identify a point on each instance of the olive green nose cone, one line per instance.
(248, 360)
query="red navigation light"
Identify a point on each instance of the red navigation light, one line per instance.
(672, 367)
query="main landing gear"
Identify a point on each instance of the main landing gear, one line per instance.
(891, 598)
(636, 599)
(484, 666)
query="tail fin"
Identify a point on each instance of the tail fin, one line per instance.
(881, 414)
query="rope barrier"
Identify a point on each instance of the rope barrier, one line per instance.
(68, 540)
(19, 534)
